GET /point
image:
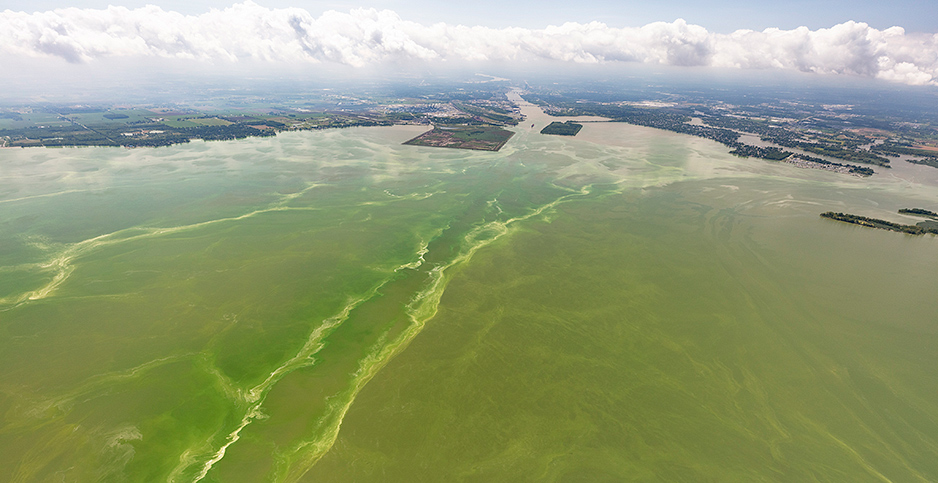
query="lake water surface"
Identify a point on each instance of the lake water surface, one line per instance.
(628, 304)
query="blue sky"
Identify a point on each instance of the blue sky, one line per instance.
(717, 16)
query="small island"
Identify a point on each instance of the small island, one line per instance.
(918, 229)
(482, 138)
(568, 128)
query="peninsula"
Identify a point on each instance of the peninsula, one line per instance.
(917, 229)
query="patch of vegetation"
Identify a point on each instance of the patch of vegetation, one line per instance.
(895, 149)
(568, 128)
(876, 223)
(852, 168)
(483, 138)
(211, 121)
(845, 154)
(930, 161)
(919, 212)
(929, 226)
(485, 114)
(772, 154)
(468, 121)
(179, 123)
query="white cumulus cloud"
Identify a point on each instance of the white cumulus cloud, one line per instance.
(362, 37)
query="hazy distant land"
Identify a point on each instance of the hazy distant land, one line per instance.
(844, 138)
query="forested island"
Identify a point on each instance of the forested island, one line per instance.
(568, 128)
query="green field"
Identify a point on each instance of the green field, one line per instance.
(179, 122)
(99, 118)
(19, 121)
(211, 121)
